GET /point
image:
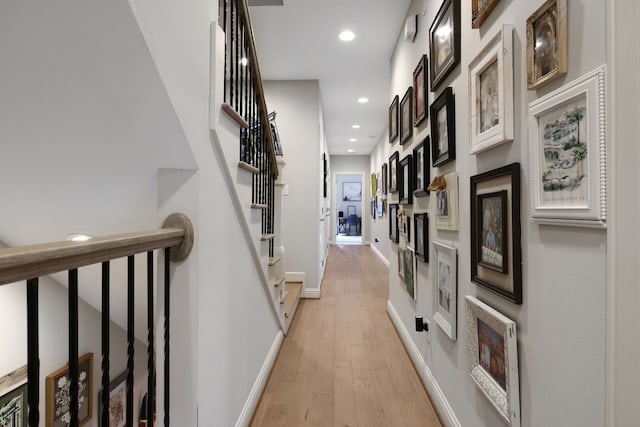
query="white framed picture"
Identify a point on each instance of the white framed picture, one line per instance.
(447, 204)
(445, 288)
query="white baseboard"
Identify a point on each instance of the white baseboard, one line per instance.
(256, 391)
(445, 411)
(382, 258)
(311, 293)
(295, 276)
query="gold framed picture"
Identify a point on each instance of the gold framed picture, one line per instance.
(547, 43)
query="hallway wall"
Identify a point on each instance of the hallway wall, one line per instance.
(380, 228)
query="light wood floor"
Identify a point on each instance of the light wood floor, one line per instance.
(342, 363)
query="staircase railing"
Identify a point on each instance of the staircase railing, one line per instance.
(31, 262)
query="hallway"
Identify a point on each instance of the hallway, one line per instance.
(342, 363)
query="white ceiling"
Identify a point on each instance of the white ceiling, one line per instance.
(299, 41)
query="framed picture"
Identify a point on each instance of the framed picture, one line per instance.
(495, 216)
(480, 10)
(405, 226)
(393, 119)
(58, 397)
(406, 181)
(409, 272)
(491, 92)
(394, 167)
(420, 91)
(492, 358)
(117, 402)
(275, 134)
(380, 207)
(421, 168)
(401, 268)
(325, 175)
(393, 222)
(547, 43)
(445, 289)
(567, 146)
(406, 116)
(421, 227)
(384, 178)
(374, 184)
(13, 398)
(444, 42)
(373, 208)
(443, 128)
(447, 204)
(351, 191)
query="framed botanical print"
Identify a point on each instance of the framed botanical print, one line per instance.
(421, 242)
(406, 181)
(393, 222)
(496, 260)
(447, 204)
(421, 168)
(480, 10)
(420, 91)
(445, 288)
(393, 119)
(117, 402)
(547, 43)
(443, 128)
(409, 272)
(406, 116)
(394, 168)
(13, 398)
(383, 176)
(58, 397)
(444, 42)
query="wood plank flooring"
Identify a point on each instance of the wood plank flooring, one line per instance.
(342, 363)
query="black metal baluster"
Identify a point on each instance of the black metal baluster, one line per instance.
(231, 40)
(105, 343)
(237, 54)
(73, 346)
(151, 393)
(33, 353)
(130, 335)
(167, 305)
(243, 68)
(226, 58)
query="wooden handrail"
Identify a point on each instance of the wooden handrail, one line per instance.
(32, 261)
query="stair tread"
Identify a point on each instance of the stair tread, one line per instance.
(246, 166)
(234, 115)
(259, 206)
(279, 281)
(293, 289)
(267, 237)
(273, 260)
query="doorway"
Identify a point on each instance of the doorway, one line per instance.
(349, 208)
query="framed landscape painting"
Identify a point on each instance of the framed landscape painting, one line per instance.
(547, 43)
(351, 191)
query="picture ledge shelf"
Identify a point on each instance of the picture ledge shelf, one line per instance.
(233, 115)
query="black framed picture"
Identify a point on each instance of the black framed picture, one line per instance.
(406, 116)
(444, 42)
(393, 119)
(443, 128)
(420, 91)
(496, 258)
(324, 168)
(406, 181)
(421, 242)
(384, 178)
(393, 222)
(394, 166)
(421, 168)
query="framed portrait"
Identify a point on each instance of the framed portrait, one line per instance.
(420, 91)
(383, 175)
(117, 402)
(491, 93)
(480, 10)
(547, 43)
(447, 204)
(492, 358)
(409, 272)
(14, 399)
(351, 191)
(421, 227)
(393, 119)
(401, 267)
(406, 181)
(444, 42)
(58, 397)
(406, 116)
(393, 222)
(443, 128)
(394, 167)
(567, 153)
(421, 168)
(496, 262)
(445, 288)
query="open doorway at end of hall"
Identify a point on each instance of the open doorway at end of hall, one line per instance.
(349, 190)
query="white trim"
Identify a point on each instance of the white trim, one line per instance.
(438, 398)
(261, 381)
(382, 258)
(310, 293)
(295, 276)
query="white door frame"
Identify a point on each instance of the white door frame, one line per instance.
(334, 203)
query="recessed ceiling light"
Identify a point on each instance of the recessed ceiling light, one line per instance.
(347, 36)
(353, 139)
(79, 237)
(356, 126)
(350, 150)
(363, 100)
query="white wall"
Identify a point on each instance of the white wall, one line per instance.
(561, 323)
(353, 164)
(380, 227)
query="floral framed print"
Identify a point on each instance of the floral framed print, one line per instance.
(406, 116)
(480, 10)
(393, 222)
(58, 397)
(492, 358)
(547, 43)
(447, 203)
(567, 146)
(393, 119)
(13, 398)
(406, 181)
(421, 168)
(496, 261)
(445, 288)
(394, 168)
(409, 273)
(444, 42)
(491, 93)
(421, 242)
(443, 128)
(420, 91)
(117, 402)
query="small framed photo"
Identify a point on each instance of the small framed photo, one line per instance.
(393, 222)
(384, 178)
(445, 288)
(117, 402)
(547, 43)
(406, 116)
(380, 207)
(401, 267)
(444, 42)
(58, 398)
(496, 262)
(409, 272)
(480, 10)
(491, 93)
(420, 91)
(568, 161)
(421, 168)
(374, 184)
(447, 204)
(443, 128)
(405, 226)
(351, 191)
(406, 181)
(492, 358)
(393, 119)
(394, 168)
(421, 227)
(373, 208)
(13, 398)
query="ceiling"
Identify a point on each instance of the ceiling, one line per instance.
(299, 41)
